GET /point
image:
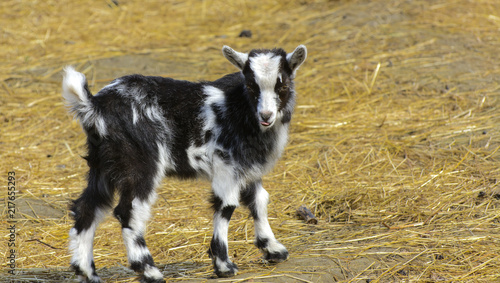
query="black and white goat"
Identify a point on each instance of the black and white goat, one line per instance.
(140, 129)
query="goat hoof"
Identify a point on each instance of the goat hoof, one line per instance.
(276, 257)
(229, 270)
(85, 279)
(151, 280)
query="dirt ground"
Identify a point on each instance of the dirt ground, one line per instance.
(426, 226)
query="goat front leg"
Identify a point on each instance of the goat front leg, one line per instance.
(256, 198)
(225, 199)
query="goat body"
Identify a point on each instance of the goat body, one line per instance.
(142, 128)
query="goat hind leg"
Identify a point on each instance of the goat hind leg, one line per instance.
(133, 213)
(88, 211)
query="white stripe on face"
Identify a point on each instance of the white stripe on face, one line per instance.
(266, 69)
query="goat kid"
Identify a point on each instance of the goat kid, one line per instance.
(140, 129)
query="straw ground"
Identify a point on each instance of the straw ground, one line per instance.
(394, 143)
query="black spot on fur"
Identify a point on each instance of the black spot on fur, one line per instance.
(218, 249)
(208, 136)
(140, 242)
(274, 257)
(216, 202)
(123, 211)
(287, 117)
(227, 212)
(77, 269)
(92, 264)
(223, 155)
(247, 197)
(139, 266)
(261, 243)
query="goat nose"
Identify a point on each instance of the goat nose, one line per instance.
(266, 115)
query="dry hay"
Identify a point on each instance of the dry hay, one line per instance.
(394, 144)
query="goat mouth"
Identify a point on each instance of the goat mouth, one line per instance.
(265, 124)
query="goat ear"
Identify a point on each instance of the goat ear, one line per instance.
(297, 57)
(236, 58)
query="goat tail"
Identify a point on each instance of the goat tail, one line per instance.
(79, 100)
(75, 89)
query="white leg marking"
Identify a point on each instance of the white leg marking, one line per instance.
(139, 217)
(81, 245)
(152, 272)
(262, 228)
(135, 253)
(221, 227)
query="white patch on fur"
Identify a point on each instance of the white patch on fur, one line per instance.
(152, 272)
(164, 162)
(149, 112)
(266, 68)
(261, 200)
(81, 245)
(224, 184)
(100, 125)
(153, 113)
(198, 158)
(280, 143)
(135, 116)
(214, 95)
(116, 84)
